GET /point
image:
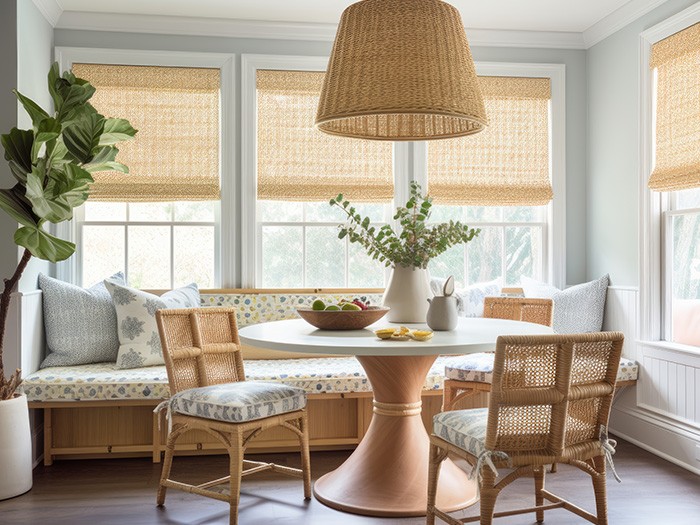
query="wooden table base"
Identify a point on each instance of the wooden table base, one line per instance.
(387, 474)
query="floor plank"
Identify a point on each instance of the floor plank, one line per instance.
(117, 492)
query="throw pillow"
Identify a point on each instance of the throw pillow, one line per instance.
(576, 309)
(139, 342)
(80, 324)
(470, 300)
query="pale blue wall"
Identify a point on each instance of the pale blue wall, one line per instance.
(34, 57)
(612, 244)
(575, 61)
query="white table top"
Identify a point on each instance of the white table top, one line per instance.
(475, 334)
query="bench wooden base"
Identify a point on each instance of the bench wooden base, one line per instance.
(129, 428)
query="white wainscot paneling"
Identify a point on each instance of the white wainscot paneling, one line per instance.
(669, 384)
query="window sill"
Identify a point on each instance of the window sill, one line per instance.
(676, 347)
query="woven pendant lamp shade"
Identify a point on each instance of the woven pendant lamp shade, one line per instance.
(401, 70)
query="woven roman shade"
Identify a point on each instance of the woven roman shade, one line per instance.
(175, 155)
(507, 164)
(296, 162)
(677, 61)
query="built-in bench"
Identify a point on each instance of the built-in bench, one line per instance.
(98, 410)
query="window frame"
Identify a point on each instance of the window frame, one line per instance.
(656, 207)
(554, 230)
(225, 238)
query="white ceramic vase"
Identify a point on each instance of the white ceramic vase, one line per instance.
(407, 295)
(15, 448)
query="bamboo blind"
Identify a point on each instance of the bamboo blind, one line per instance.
(507, 164)
(175, 154)
(297, 162)
(677, 61)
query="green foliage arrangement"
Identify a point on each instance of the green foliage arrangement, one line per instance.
(52, 165)
(417, 242)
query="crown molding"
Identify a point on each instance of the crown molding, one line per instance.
(231, 28)
(618, 19)
(196, 26)
(50, 9)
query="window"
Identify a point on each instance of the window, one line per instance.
(671, 170)
(159, 223)
(298, 170)
(512, 166)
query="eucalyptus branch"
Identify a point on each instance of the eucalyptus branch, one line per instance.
(418, 241)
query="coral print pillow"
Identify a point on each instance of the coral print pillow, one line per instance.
(139, 342)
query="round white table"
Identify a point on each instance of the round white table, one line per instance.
(387, 474)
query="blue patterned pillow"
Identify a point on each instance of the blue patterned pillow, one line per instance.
(80, 324)
(139, 342)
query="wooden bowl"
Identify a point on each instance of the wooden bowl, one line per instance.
(342, 319)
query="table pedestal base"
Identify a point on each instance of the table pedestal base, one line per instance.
(387, 475)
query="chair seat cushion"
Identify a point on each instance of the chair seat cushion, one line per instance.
(465, 429)
(238, 402)
(479, 368)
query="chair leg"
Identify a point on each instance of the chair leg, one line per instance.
(305, 458)
(448, 394)
(489, 493)
(436, 457)
(600, 490)
(235, 453)
(167, 465)
(539, 487)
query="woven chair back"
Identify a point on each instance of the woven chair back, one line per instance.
(551, 395)
(519, 309)
(200, 347)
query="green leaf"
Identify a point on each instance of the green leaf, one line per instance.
(17, 207)
(83, 136)
(107, 166)
(339, 198)
(18, 148)
(49, 129)
(65, 190)
(342, 234)
(116, 130)
(34, 110)
(44, 245)
(17, 172)
(72, 95)
(54, 84)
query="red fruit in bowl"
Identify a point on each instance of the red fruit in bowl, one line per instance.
(360, 304)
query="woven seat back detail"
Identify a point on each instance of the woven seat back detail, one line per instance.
(200, 347)
(526, 309)
(551, 395)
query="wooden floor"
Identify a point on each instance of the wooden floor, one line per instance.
(117, 492)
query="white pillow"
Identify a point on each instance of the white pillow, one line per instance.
(576, 309)
(139, 342)
(470, 300)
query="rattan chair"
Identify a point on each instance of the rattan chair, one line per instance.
(550, 402)
(209, 393)
(479, 365)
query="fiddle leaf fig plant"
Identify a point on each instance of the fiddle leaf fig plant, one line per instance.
(52, 165)
(415, 243)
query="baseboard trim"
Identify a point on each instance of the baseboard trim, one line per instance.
(667, 441)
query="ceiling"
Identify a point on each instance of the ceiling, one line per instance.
(530, 15)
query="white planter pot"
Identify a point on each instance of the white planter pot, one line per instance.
(407, 295)
(15, 448)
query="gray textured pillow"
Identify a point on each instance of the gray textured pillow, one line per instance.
(577, 309)
(80, 324)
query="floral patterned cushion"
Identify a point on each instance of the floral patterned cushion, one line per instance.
(465, 429)
(238, 402)
(479, 368)
(104, 381)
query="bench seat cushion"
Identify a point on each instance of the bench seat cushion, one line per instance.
(479, 368)
(104, 381)
(238, 402)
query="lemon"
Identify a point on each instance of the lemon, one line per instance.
(421, 335)
(332, 307)
(384, 333)
(351, 307)
(318, 305)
